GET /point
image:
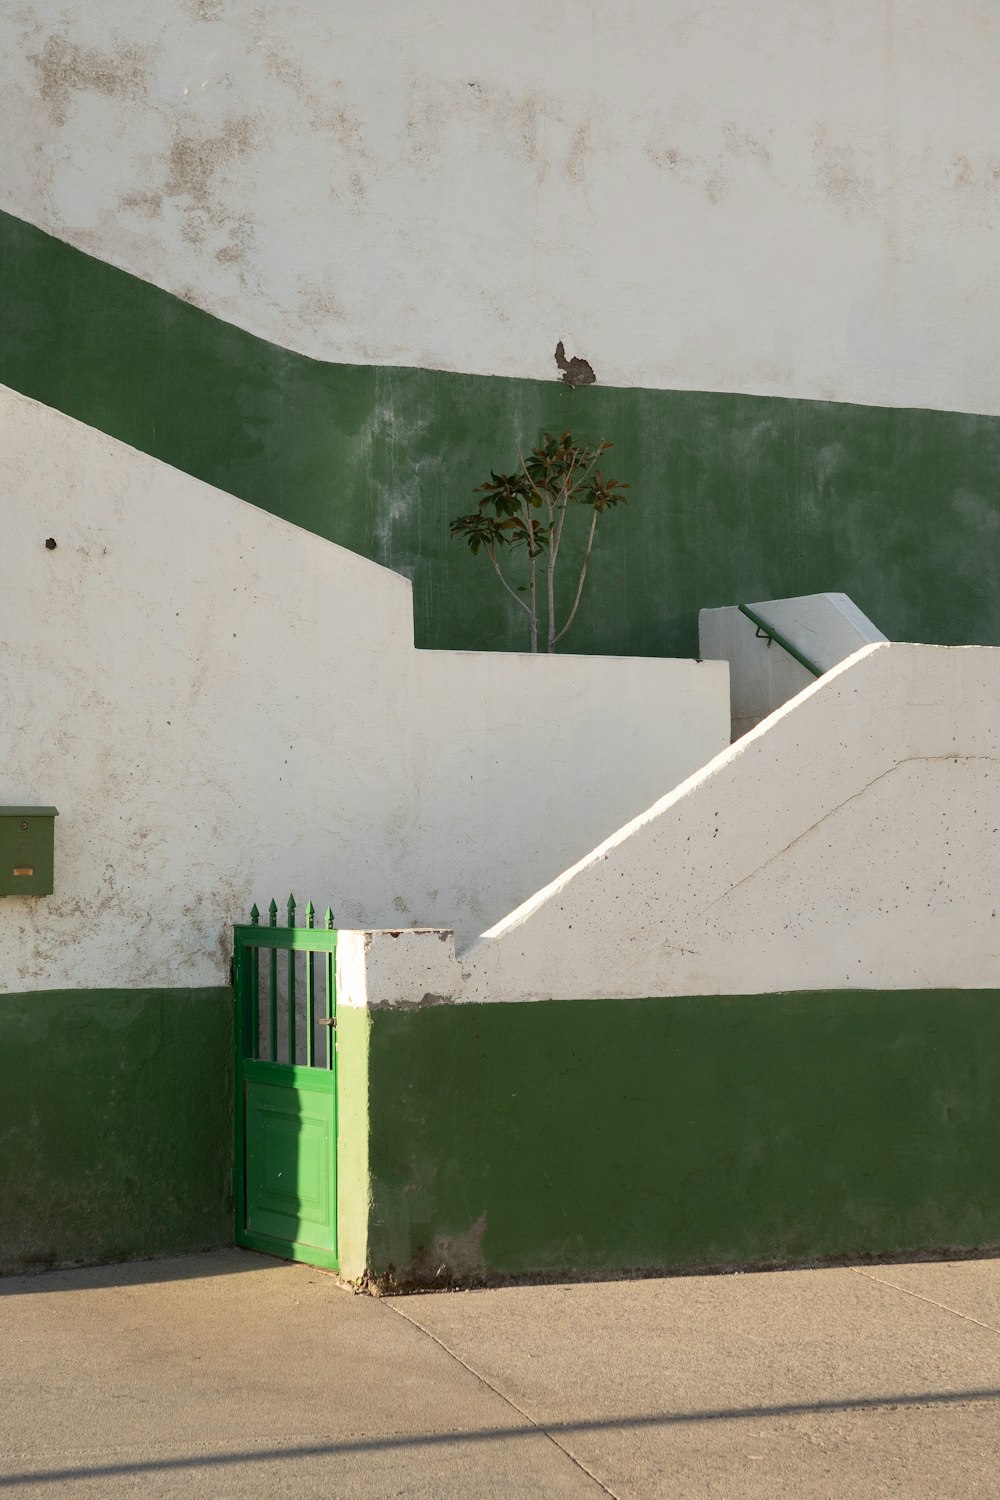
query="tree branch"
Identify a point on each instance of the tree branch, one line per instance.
(512, 592)
(532, 575)
(583, 574)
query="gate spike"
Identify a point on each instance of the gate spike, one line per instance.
(254, 916)
(272, 912)
(328, 919)
(291, 911)
(310, 914)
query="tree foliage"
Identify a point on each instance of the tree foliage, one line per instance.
(526, 511)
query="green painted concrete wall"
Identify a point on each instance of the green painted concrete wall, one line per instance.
(581, 1136)
(115, 1124)
(735, 497)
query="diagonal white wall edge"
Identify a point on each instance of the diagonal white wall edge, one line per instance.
(224, 708)
(849, 841)
(825, 628)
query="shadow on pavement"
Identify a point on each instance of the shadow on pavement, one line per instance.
(490, 1434)
(188, 1267)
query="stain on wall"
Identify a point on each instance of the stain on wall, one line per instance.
(64, 69)
(711, 197)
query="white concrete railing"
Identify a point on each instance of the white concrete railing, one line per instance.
(824, 628)
(848, 842)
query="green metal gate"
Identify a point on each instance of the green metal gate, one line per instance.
(285, 1087)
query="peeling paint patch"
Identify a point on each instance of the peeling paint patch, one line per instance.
(194, 160)
(318, 304)
(505, 115)
(324, 106)
(744, 145)
(839, 173)
(204, 10)
(63, 69)
(147, 205)
(576, 162)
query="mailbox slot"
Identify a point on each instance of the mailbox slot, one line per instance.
(27, 850)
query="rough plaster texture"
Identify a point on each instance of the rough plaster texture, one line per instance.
(847, 842)
(717, 197)
(224, 707)
(827, 628)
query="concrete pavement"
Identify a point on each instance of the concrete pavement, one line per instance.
(230, 1374)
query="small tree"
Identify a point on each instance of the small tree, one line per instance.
(528, 509)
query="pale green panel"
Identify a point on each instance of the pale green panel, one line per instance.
(353, 1182)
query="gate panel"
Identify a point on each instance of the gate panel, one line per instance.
(286, 1110)
(290, 1145)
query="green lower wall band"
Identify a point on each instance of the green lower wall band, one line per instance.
(735, 498)
(115, 1124)
(582, 1136)
(563, 1137)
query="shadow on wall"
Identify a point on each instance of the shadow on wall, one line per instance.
(733, 496)
(116, 1135)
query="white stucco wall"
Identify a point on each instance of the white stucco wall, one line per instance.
(826, 628)
(799, 200)
(215, 701)
(224, 707)
(850, 841)
(524, 763)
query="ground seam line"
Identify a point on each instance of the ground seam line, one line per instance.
(943, 1306)
(507, 1399)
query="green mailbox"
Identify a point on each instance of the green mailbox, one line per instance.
(27, 839)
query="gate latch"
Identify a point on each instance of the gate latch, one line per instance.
(330, 1021)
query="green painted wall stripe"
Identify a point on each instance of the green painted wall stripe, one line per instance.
(734, 497)
(115, 1124)
(603, 1135)
(568, 1136)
